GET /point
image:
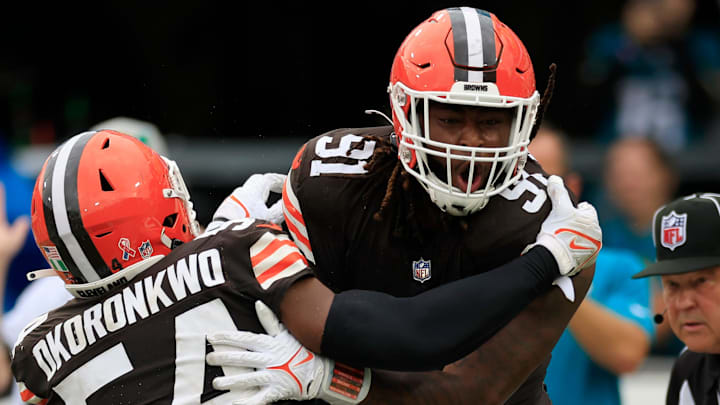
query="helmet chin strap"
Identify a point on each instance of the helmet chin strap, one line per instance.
(169, 242)
(36, 274)
(107, 284)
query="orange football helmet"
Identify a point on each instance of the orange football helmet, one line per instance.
(105, 201)
(468, 57)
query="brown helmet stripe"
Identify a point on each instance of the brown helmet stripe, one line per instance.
(488, 47)
(471, 56)
(47, 207)
(62, 213)
(73, 207)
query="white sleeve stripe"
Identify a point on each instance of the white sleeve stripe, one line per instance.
(298, 225)
(295, 204)
(276, 257)
(28, 396)
(299, 234)
(62, 222)
(264, 241)
(297, 228)
(306, 251)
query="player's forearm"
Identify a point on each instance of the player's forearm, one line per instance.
(426, 388)
(492, 373)
(507, 359)
(436, 327)
(611, 341)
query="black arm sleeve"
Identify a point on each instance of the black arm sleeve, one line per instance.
(437, 327)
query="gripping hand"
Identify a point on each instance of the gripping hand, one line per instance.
(571, 234)
(250, 200)
(284, 368)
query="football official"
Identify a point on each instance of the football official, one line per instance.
(687, 247)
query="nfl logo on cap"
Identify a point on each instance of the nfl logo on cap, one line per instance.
(685, 233)
(673, 230)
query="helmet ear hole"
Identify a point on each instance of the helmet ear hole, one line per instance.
(106, 144)
(104, 183)
(169, 220)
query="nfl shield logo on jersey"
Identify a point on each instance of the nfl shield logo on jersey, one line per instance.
(673, 230)
(421, 270)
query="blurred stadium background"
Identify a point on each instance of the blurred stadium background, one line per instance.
(237, 89)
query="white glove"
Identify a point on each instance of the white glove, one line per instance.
(285, 369)
(572, 235)
(250, 200)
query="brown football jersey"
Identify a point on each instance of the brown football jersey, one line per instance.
(331, 197)
(144, 342)
(330, 200)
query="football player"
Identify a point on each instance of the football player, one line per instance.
(115, 221)
(445, 192)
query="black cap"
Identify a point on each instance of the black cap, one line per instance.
(686, 233)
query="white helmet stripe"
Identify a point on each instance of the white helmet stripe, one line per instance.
(474, 44)
(62, 222)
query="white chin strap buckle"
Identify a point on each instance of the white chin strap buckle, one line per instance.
(36, 274)
(165, 239)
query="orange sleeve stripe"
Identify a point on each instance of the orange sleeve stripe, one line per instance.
(270, 226)
(347, 376)
(290, 207)
(297, 234)
(271, 248)
(298, 158)
(247, 213)
(283, 264)
(342, 383)
(25, 395)
(342, 392)
(358, 372)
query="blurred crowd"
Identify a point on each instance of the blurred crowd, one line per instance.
(654, 91)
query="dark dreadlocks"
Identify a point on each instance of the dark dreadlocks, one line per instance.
(544, 101)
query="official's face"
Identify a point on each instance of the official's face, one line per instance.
(693, 305)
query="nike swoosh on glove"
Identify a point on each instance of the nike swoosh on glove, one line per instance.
(572, 234)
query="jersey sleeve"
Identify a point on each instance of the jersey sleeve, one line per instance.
(321, 194)
(25, 368)
(261, 261)
(292, 209)
(28, 397)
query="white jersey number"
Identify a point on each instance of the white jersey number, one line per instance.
(191, 328)
(515, 191)
(344, 150)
